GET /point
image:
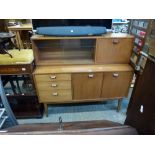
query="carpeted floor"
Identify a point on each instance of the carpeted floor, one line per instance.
(84, 112)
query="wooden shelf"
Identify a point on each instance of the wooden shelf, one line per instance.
(140, 37)
(66, 62)
(66, 55)
(82, 68)
(140, 28)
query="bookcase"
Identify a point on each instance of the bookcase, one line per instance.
(144, 32)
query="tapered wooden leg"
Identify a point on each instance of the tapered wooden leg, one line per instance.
(46, 109)
(119, 104)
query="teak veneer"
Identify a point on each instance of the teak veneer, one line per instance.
(82, 69)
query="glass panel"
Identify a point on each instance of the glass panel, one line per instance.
(65, 49)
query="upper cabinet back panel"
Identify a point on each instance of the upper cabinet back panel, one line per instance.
(113, 50)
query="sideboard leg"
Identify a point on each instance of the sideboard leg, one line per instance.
(46, 109)
(119, 104)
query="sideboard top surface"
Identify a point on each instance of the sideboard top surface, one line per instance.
(82, 68)
(108, 35)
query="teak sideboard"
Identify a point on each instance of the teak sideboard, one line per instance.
(82, 69)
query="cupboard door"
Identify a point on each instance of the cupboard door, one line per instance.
(87, 85)
(116, 84)
(116, 50)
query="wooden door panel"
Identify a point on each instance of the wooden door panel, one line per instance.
(116, 84)
(143, 95)
(87, 85)
(116, 50)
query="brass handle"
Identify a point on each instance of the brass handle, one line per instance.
(115, 41)
(53, 76)
(54, 85)
(55, 94)
(91, 75)
(115, 74)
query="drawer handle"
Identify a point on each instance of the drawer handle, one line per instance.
(54, 85)
(23, 69)
(91, 75)
(115, 75)
(55, 94)
(115, 41)
(53, 76)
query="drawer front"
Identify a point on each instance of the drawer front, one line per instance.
(52, 96)
(53, 77)
(116, 50)
(16, 69)
(116, 84)
(54, 85)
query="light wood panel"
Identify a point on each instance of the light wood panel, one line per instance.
(114, 51)
(82, 68)
(52, 77)
(86, 85)
(116, 84)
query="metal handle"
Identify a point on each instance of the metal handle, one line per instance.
(7, 94)
(91, 75)
(55, 94)
(115, 74)
(53, 76)
(54, 85)
(60, 123)
(23, 69)
(115, 41)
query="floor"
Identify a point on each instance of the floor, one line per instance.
(84, 112)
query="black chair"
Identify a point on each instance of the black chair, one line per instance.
(5, 41)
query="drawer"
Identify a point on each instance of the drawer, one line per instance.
(52, 96)
(53, 77)
(54, 85)
(16, 69)
(115, 50)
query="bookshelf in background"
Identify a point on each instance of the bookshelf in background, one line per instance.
(144, 32)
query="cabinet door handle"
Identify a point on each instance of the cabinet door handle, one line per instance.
(54, 85)
(115, 41)
(53, 76)
(55, 94)
(91, 75)
(115, 74)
